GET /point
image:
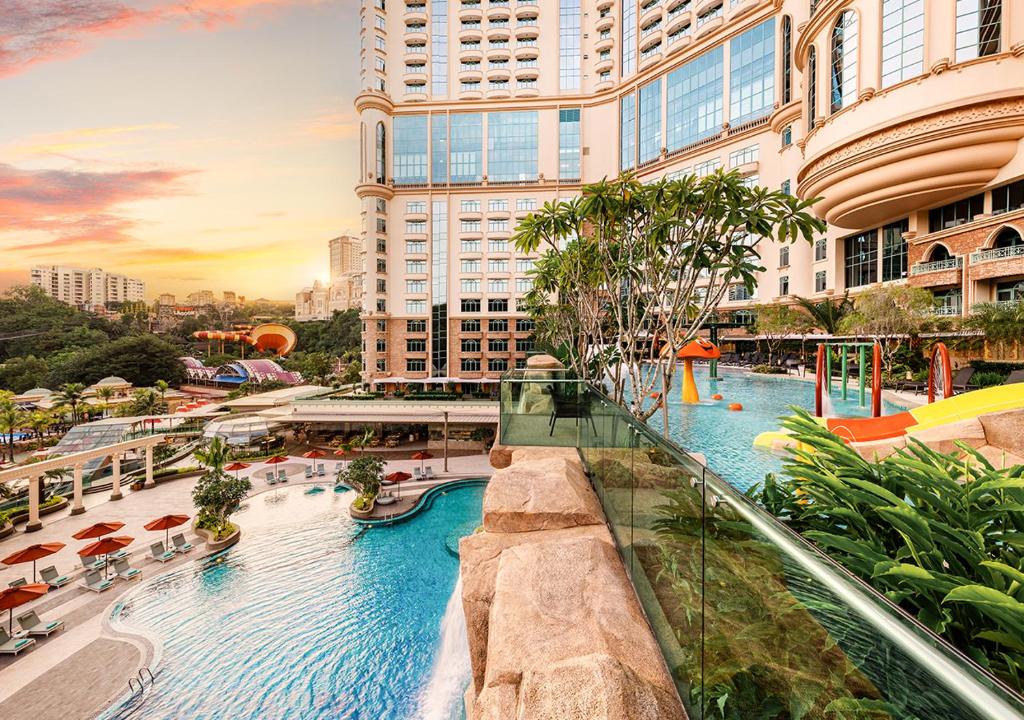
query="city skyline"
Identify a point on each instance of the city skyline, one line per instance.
(194, 145)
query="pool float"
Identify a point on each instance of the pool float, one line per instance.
(716, 396)
(735, 407)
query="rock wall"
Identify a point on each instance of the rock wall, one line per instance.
(555, 629)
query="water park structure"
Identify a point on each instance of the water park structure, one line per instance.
(266, 337)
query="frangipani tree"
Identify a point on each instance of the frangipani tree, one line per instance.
(631, 271)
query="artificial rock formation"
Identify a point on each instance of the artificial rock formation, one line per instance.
(555, 629)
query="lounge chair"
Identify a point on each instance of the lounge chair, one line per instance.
(428, 474)
(32, 625)
(53, 578)
(17, 583)
(282, 476)
(271, 480)
(91, 562)
(119, 555)
(124, 571)
(158, 552)
(417, 474)
(180, 543)
(95, 582)
(962, 380)
(321, 471)
(1017, 376)
(13, 647)
(309, 471)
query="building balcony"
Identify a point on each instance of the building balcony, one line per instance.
(678, 21)
(709, 27)
(997, 262)
(526, 52)
(604, 4)
(602, 65)
(649, 60)
(415, 57)
(739, 8)
(533, 91)
(471, 75)
(527, 73)
(527, 8)
(415, 37)
(703, 7)
(471, 94)
(471, 55)
(650, 14)
(471, 12)
(603, 85)
(605, 23)
(675, 44)
(501, 34)
(604, 44)
(526, 32)
(498, 54)
(415, 15)
(650, 40)
(499, 12)
(471, 34)
(937, 273)
(414, 78)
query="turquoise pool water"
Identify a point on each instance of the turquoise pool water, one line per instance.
(311, 616)
(726, 438)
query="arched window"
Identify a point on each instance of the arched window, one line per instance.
(939, 252)
(382, 157)
(1008, 237)
(844, 61)
(787, 59)
(812, 87)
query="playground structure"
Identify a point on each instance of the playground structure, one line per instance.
(699, 349)
(267, 337)
(823, 374)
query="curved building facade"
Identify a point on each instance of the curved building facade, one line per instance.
(905, 117)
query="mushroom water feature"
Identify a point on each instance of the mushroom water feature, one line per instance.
(699, 349)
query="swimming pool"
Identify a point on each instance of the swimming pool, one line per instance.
(311, 616)
(726, 438)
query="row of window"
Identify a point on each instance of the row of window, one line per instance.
(466, 365)
(467, 346)
(1006, 198)
(470, 247)
(474, 305)
(468, 326)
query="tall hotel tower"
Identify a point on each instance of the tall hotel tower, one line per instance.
(904, 116)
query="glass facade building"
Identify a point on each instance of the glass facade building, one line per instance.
(512, 146)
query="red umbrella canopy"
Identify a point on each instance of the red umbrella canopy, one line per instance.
(340, 452)
(236, 466)
(277, 459)
(398, 476)
(166, 522)
(98, 530)
(421, 455)
(32, 553)
(11, 598)
(314, 453)
(106, 546)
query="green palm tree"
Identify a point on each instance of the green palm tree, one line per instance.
(104, 394)
(40, 422)
(71, 396)
(213, 456)
(162, 386)
(146, 401)
(827, 314)
(12, 418)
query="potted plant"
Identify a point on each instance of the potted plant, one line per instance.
(364, 475)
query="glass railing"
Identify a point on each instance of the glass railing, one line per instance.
(752, 620)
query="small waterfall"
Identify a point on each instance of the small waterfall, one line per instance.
(442, 697)
(827, 408)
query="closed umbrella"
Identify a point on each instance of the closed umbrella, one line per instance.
(33, 553)
(165, 523)
(98, 530)
(421, 455)
(106, 546)
(13, 597)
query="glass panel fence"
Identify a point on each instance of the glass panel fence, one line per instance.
(753, 621)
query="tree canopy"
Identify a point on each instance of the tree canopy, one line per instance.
(889, 313)
(139, 359)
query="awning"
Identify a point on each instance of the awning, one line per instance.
(394, 418)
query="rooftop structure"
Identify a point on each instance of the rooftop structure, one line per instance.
(238, 372)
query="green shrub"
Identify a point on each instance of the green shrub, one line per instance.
(769, 370)
(987, 379)
(940, 534)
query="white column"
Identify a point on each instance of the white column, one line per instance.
(150, 482)
(77, 507)
(33, 505)
(115, 492)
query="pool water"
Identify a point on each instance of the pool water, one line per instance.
(725, 437)
(310, 616)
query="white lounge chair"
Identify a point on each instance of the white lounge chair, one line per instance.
(282, 475)
(17, 583)
(32, 625)
(13, 647)
(159, 553)
(428, 474)
(53, 578)
(321, 470)
(95, 582)
(417, 474)
(309, 471)
(180, 543)
(271, 480)
(91, 562)
(124, 571)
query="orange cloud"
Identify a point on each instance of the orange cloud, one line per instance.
(78, 139)
(333, 126)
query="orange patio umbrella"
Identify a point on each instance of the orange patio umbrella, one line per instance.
(397, 477)
(165, 523)
(15, 596)
(33, 553)
(98, 530)
(276, 460)
(314, 454)
(106, 546)
(235, 467)
(421, 455)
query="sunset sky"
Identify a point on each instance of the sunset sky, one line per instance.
(196, 144)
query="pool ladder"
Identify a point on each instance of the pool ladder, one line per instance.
(137, 685)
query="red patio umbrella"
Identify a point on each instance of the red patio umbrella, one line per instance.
(98, 530)
(165, 523)
(276, 459)
(421, 455)
(314, 453)
(33, 553)
(398, 476)
(15, 596)
(106, 546)
(235, 467)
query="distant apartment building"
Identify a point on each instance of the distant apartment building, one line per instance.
(201, 298)
(905, 117)
(87, 288)
(166, 299)
(319, 301)
(230, 298)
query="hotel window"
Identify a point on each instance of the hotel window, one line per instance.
(787, 136)
(526, 205)
(497, 206)
(1008, 197)
(379, 22)
(497, 325)
(784, 285)
(415, 247)
(382, 265)
(497, 365)
(469, 226)
(752, 74)
(470, 346)
(382, 286)
(568, 44)
(1012, 291)
(820, 249)
(978, 27)
(524, 285)
(382, 325)
(524, 265)
(894, 251)
(743, 156)
(694, 100)
(497, 286)
(415, 286)
(382, 205)
(416, 227)
(470, 266)
(415, 345)
(703, 169)
(469, 86)
(524, 345)
(628, 38)
(956, 213)
(439, 47)
(497, 225)
(410, 149)
(497, 246)
(649, 119)
(381, 153)
(844, 61)
(469, 326)
(415, 208)
(512, 146)
(497, 305)
(496, 345)
(784, 256)
(419, 365)
(569, 144)
(468, 285)
(382, 305)
(382, 366)
(496, 266)
(812, 87)
(786, 187)
(382, 346)
(902, 40)
(787, 59)
(627, 131)
(439, 148)
(382, 245)
(819, 281)
(415, 266)
(468, 306)
(467, 155)
(524, 325)
(470, 364)
(382, 225)
(469, 246)
(949, 302)
(522, 305)
(861, 259)
(416, 326)
(470, 206)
